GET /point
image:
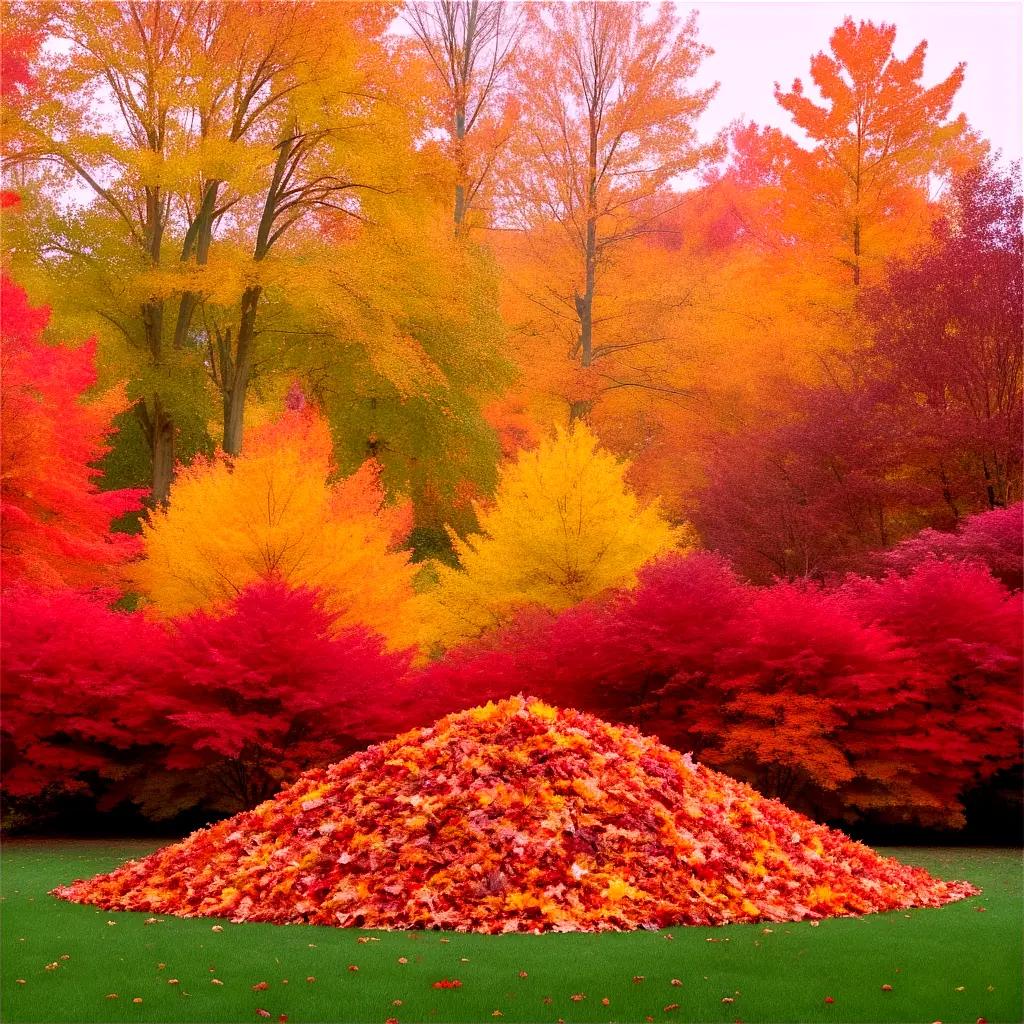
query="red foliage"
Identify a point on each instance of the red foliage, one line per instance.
(792, 687)
(268, 689)
(73, 672)
(993, 539)
(955, 718)
(56, 521)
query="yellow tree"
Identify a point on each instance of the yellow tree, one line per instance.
(610, 123)
(564, 527)
(878, 137)
(273, 513)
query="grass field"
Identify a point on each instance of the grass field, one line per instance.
(960, 963)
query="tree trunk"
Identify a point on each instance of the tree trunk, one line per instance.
(856, 252)
(236, 369)
(197, 240)
(460, 164)
(158, 429)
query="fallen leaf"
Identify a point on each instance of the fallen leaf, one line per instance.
(887, 988)
(137, 999)
(262, 1013)
(216, 981)
(260, 986)
(217, 928)
(829, 1000)
(606, 1001)
(523, 974)
(403, 959)
(676, 982)
(670, 1007)
(728, 999)
(111, 995)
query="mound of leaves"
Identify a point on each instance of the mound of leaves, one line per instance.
(516, 816)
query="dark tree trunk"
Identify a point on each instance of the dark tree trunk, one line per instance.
(236, 369)
(158, 429)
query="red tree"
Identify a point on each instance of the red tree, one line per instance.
(948, 333)
(254, 696)
(56, 521)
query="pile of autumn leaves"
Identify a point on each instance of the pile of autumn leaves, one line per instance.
(517, 816)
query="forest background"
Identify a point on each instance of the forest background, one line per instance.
(365, 362)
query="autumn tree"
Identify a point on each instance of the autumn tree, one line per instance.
(273, 513)
(610, 126)
(471, 46)
(56, 520)
(877, 137)
(948, 333)
(563, 527)
(229, 126)
(260, 691)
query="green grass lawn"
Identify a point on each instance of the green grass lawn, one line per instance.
(955, 964)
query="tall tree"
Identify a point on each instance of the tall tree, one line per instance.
(471, 46)
(877, 137)
(948, 329)
(228, 125)
(611, 123)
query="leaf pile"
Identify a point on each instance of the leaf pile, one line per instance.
(516, 816)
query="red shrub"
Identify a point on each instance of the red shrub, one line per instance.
(74, 674)
(992, 538)
(258, 694)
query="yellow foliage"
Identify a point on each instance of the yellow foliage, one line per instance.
(564, 527)
(272, 513)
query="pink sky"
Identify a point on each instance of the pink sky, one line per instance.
(757, 44)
